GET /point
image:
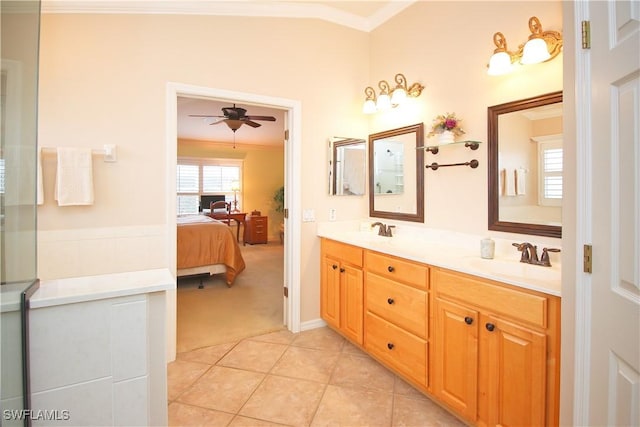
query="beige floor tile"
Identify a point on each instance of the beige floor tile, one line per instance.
(306, 364)
(278, 337)
(224, 389)
(405, 389)
(253, 356)
(421, 412)
(187, 415)
(362, 372)
(209, 355)
(320, 339)
(351, 407)
(240, 421)
(352, 349)
(284, 400)
(181, 374)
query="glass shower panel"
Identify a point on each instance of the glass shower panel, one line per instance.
(20, 31)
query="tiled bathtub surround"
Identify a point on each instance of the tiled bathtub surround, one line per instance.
(313, 378)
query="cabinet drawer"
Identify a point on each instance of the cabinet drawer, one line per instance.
(397, 269)
(402, 305)
(401, 350)
(343, 252)
(519, 305)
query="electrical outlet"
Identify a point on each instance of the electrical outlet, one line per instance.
(332, 214)
(308, 215)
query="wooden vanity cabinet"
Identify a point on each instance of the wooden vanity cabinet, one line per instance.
(341, 288)
(396, 314)
(496, 351)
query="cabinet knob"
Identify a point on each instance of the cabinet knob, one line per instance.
(342, 270)
(334, 266)
(390, 301)
(390, 346)
(468, 320)
(390, 269)
(490, 327)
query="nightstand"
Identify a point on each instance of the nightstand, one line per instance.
(256, 230)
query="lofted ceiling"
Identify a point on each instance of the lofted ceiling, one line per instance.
(359, 14)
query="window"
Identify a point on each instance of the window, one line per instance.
(550, 172)
(196, 177)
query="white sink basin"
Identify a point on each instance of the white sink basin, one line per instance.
(514, 268)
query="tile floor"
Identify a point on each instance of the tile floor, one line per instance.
(314, 378)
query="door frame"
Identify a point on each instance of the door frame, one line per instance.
(292, 177)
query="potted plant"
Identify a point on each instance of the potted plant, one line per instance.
(447, 127)
(278, 197)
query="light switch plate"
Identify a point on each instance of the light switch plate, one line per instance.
(332, 214)
(308, 215)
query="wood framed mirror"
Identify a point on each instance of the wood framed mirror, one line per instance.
(396, 174)
(525, 166)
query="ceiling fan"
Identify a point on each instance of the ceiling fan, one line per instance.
(235, 117)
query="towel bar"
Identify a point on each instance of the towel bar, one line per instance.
(109, 152)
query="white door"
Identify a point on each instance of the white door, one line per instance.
(614, 352)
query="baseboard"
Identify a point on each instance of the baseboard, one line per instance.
(312, 324)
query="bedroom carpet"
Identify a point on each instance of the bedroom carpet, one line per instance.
(218, 314)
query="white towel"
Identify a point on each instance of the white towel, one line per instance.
(510, 184)
(74, 177)
(40, 188)
(521, 187)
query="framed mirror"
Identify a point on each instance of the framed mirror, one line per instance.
(525, 166)
(347, 166)
(396, 174)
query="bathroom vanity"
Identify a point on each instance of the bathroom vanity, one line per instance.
(481, 337)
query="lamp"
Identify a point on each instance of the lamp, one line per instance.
(387, 98)
(235, 187)
(540, 47)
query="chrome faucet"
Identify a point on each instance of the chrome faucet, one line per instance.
(383, 230)
(530, 254)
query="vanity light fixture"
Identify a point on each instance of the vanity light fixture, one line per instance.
(387, 98)
(540, 47)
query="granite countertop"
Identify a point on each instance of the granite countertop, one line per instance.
(453, 251)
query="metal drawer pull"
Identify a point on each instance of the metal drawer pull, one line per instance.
(490, 327)
(334, 266)
(468, 320)
(390, 346)
(390, 301)
(390, 269)
(342, 270)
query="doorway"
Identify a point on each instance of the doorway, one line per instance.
(292, 157)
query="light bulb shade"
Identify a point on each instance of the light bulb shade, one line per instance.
(369, 106)
(535, 51)
(398, 96)
(384, 102)
(500, 63)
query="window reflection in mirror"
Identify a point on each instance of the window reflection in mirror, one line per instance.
(396, 172)
(525, 166)
(347, 166)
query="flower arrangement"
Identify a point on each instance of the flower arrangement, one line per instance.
(446, 122)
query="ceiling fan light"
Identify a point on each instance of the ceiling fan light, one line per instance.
(535, 51)
(500, 63)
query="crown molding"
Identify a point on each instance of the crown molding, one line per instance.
(282, 9)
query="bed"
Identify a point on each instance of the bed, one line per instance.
(207, 246)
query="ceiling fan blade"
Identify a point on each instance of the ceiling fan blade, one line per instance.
(203, 115)
(267, 118)
(252, 124)
(219, 121)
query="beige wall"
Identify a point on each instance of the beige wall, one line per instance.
(103, 80)
(263, 174)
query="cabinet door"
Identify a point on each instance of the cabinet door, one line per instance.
(517, 374)
(456, 357)
(330, 291)
(351, 302)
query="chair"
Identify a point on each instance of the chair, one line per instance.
(220, 211)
